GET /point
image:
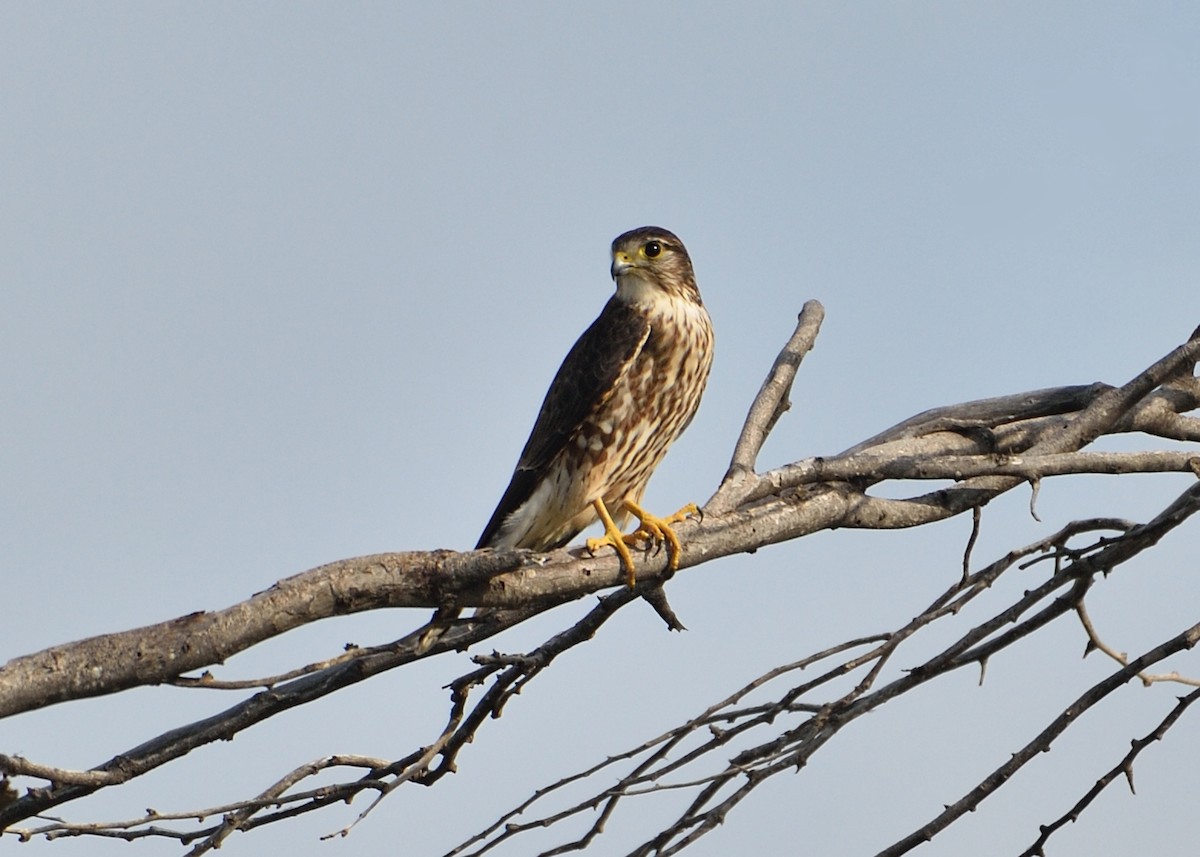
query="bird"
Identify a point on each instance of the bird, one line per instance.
(624, 393)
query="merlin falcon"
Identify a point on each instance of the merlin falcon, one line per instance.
(626, 390)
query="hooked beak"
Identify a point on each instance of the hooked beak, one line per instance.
(620, 263)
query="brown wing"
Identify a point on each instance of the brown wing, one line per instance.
(584, 381)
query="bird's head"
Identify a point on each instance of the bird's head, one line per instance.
(650, 264)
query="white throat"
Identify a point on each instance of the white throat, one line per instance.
(636, 290)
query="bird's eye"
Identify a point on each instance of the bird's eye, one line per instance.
(652, 249)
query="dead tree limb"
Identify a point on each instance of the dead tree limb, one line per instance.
(982, 449)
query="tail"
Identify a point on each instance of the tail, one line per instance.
(443, 619)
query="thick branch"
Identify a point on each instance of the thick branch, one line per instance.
(158, 653)
(986, 447)
(162, 652)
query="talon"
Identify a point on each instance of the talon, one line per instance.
(660, 528)
(650, 528)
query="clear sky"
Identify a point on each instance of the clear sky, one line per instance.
(284, 284)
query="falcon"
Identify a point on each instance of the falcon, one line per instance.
(626, 390)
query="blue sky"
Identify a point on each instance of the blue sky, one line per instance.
(286, 284)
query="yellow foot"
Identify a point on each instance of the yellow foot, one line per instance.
(659, 529)
(650, 527)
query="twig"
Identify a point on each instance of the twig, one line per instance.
(1095, 643)
(1180, 642)
(1124, 767)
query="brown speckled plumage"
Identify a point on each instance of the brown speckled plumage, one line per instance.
(624, 393)
(626, 390)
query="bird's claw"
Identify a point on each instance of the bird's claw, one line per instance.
(651, 528)
(659, 529)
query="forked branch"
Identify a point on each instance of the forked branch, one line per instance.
(982, 449)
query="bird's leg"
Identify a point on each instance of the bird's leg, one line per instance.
(650, 527)
(653, 527)
(614, 537)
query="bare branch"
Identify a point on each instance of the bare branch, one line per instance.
(1095, 643)
(158, 653)
(657, 764)
(769, 405)
(983, 448)
(1180, 642)
(1124, 767)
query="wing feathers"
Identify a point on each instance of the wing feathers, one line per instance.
(589, 374)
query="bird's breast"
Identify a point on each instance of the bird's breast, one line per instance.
(627, 435)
